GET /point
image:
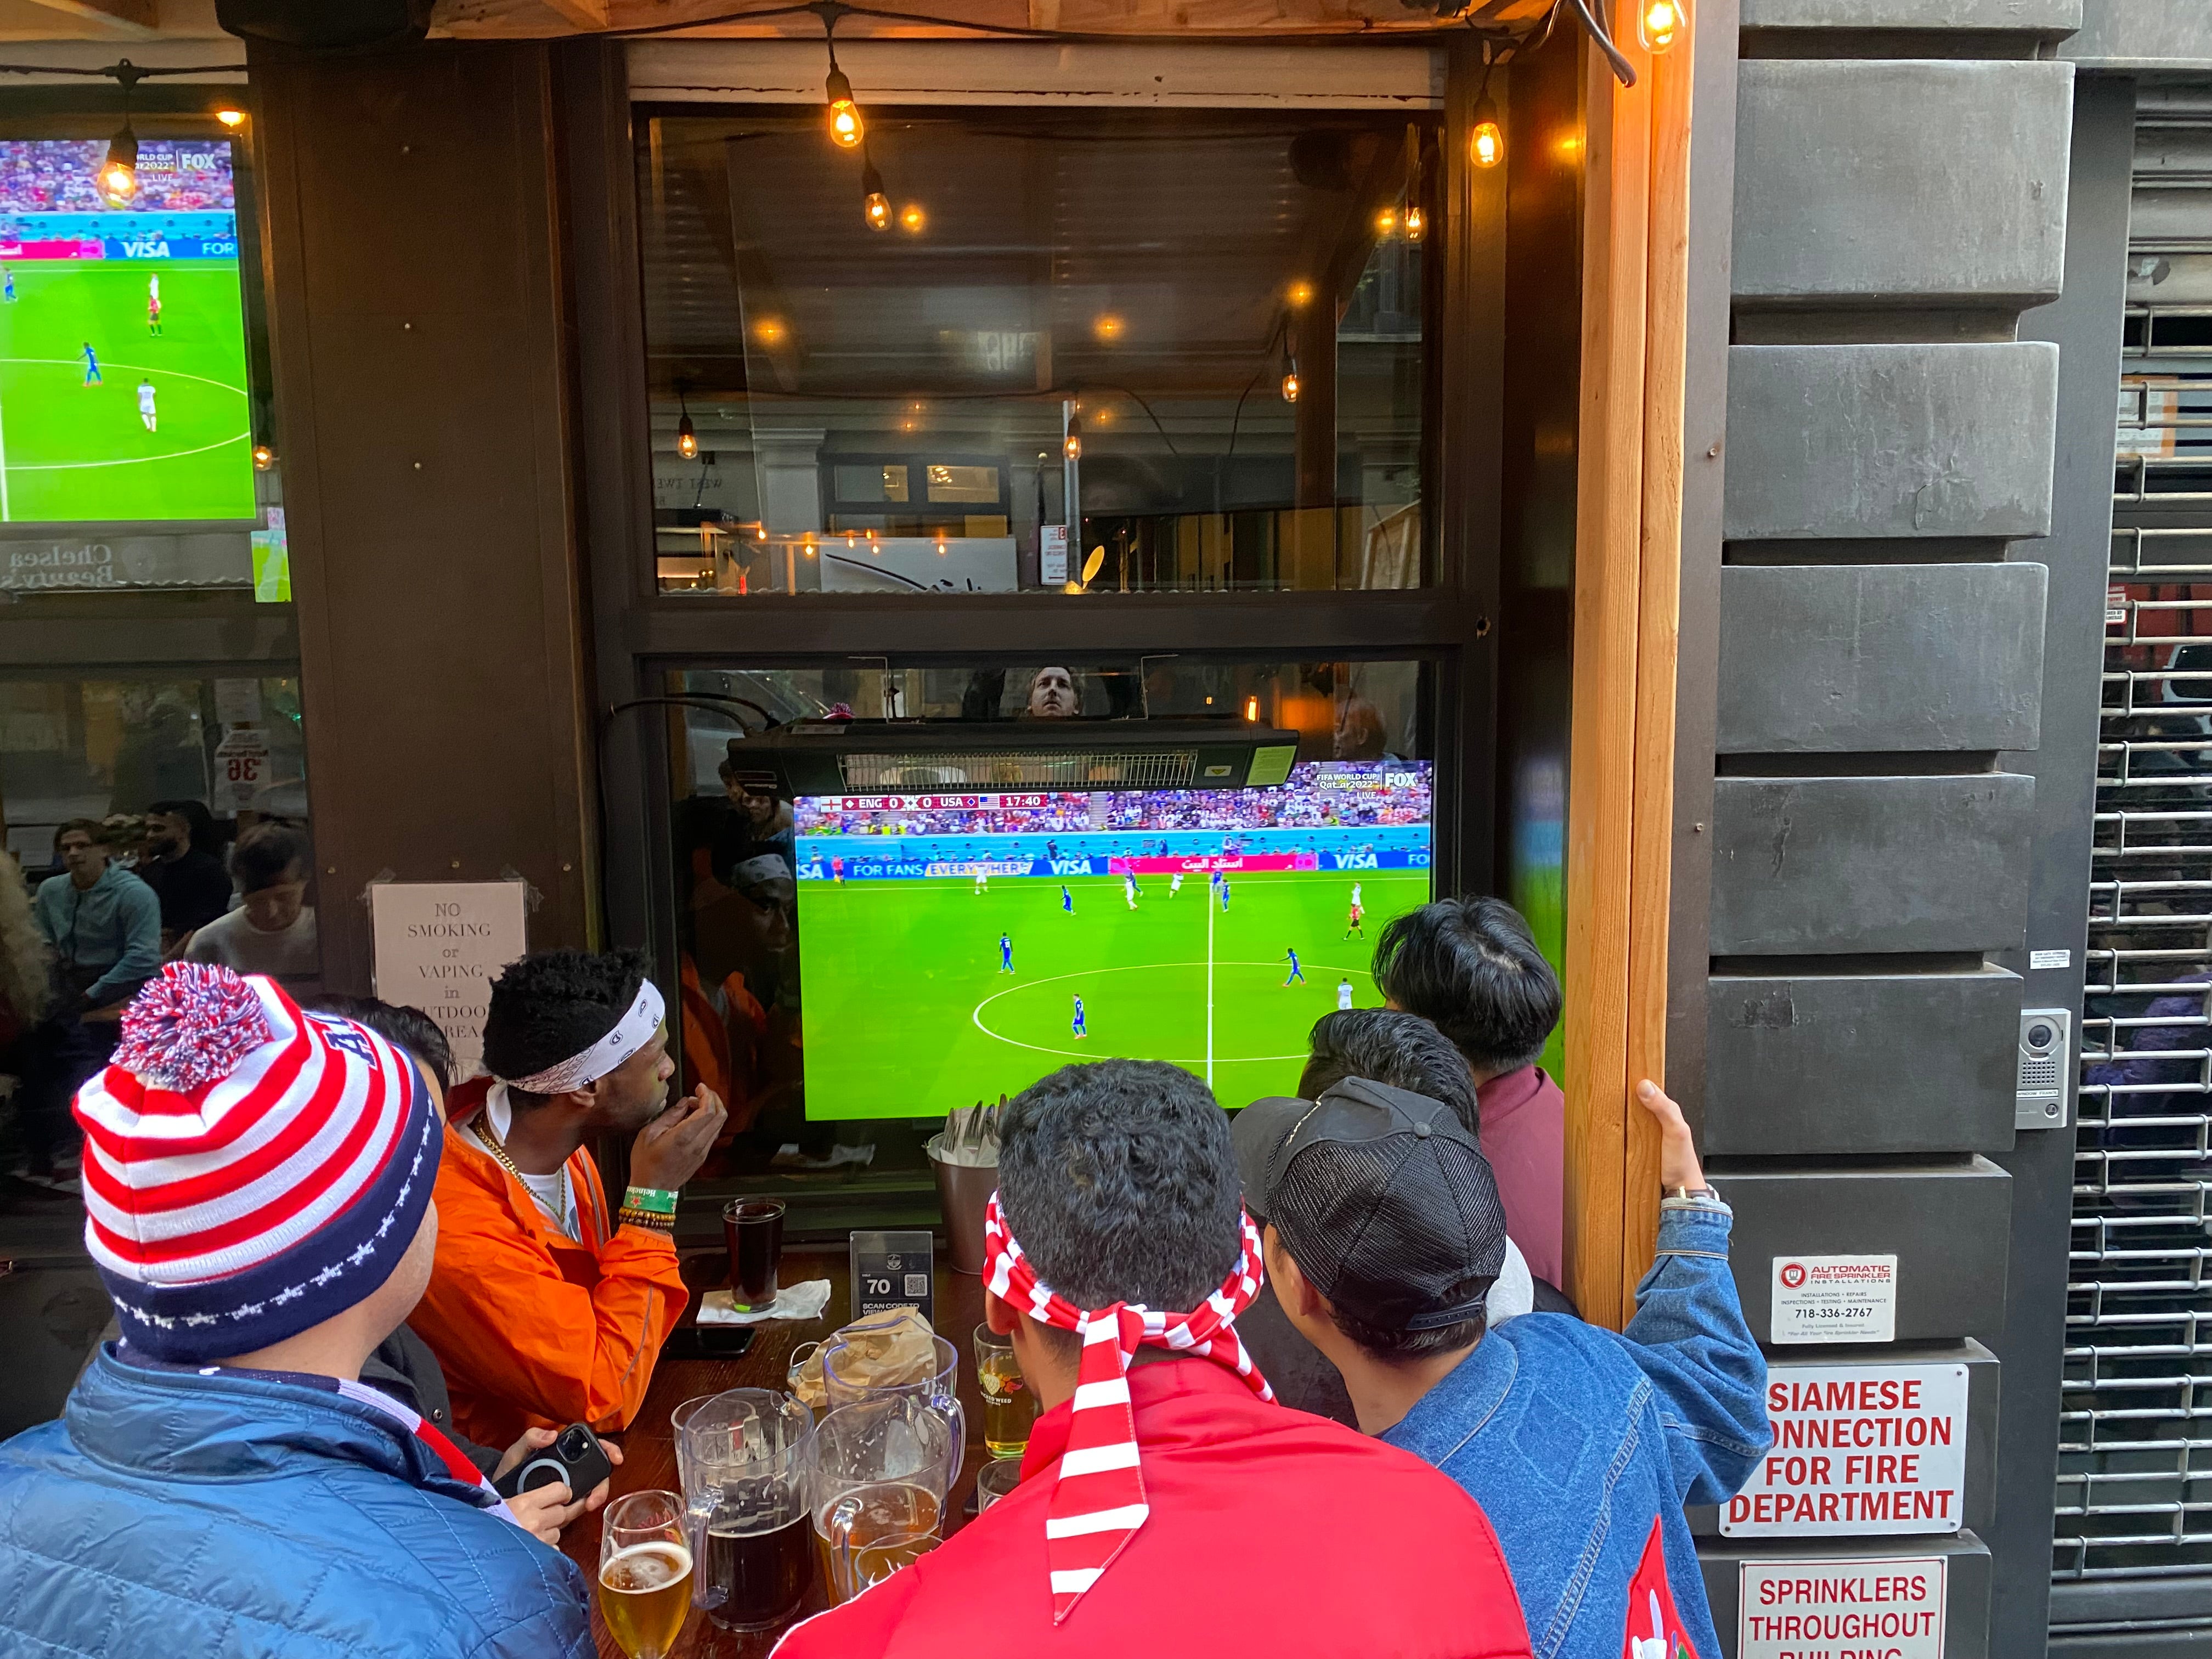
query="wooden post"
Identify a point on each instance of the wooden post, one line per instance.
(1628, 565)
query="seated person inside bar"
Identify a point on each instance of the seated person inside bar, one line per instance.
(1402, 1053)
(548, 1306)
(1162, 1484)
(219, 1481)
(273, 929)
(1384, 1229)
(402, 1365)
(1470, 968)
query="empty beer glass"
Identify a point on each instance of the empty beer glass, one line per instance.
(877, 1472)
(745, 1455)
(849, 1382)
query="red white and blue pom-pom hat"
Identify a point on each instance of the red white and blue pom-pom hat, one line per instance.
(250, 1170)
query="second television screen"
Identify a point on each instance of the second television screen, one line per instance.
(123, 383)
(958, 947)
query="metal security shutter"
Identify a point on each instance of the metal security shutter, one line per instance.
(2133, 1555)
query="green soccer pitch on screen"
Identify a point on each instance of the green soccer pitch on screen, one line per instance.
(123, 383)
(960, 947)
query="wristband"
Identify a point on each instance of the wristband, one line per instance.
(654, 1200)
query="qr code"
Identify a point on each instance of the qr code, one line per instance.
(917, 1285)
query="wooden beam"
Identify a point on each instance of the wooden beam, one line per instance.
(588, 16)
(1601, 764)
(1627, 607)
(1666, 344)
(129, 19)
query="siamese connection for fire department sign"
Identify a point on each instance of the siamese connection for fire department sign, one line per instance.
(1858, 1449)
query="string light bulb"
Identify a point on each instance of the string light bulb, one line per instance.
(1485, 141)
(1659, 23)
(264, 459)
(1072, 445)
(912, 218)
(846, 127)
(233, 118)
(1416, 222)
(875, 206)
(1386, 222)
(1291, 380)
(117, 177)
(687, 435)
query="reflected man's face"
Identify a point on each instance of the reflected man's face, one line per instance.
(1052, 694)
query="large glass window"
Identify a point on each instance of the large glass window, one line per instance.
(854, 966)
(1085, 351)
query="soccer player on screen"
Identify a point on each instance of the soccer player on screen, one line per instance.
(1005, 954)
(153, 314)
(91, 366)
(1067, 904)
(837, 869)
(1224, 890)
(1175, 884)
(1129, 887)
(1344, 996)
(7, 287)
(146, 403)
(982, 883)
(1355, 896)
(1080, 1030)
(1356, 923)
(1298, 973)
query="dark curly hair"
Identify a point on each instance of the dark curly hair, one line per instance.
(1119, 1181)
(551, 1004)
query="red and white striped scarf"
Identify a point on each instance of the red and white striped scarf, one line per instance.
(1098, 1499)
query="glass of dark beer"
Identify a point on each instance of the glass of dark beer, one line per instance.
(748, 1453)
(752, 1228)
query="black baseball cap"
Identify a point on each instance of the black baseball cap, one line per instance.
(1382, 1198)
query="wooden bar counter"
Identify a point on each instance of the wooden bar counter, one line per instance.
(649, 1451)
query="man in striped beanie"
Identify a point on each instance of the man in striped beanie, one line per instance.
(258, 1188)
(1166, 1501)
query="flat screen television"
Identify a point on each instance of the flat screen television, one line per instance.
(957, 947)
(123, 381)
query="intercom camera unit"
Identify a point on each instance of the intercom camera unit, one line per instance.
(2044, 1052)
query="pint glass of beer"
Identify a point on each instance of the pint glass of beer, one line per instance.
(645, 1572)
(1009, 1403)
(876, 1477)
(745, 1452)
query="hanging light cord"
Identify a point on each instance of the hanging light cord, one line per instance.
(124, 72)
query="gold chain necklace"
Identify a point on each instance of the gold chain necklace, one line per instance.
(489, 1136)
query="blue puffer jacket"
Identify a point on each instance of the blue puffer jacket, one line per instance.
(171, 1515)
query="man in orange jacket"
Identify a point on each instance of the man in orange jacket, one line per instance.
(547, 1306)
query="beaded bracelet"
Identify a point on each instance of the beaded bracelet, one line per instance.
(654, 1200)
(659, 1223)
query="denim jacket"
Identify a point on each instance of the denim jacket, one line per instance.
(1573, 1439)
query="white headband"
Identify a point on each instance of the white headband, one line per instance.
(631, 1033)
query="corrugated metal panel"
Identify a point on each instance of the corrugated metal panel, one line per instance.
(2134, 1480)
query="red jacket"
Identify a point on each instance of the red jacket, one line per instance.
(1270, 1533)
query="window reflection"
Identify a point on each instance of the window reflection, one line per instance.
(1118, 351)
